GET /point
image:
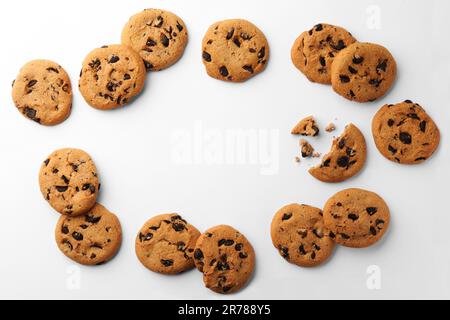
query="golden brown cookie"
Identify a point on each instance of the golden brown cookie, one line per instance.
(68, 181)
(90, 239)
(357, 218)
(314, 51)
(166, 243)
(345, 159)
(234, 50)
(299, 234)
(363, 72)
(405, 133)
(225, 257)
(42, 92)
(111, 77)
(306, 127)
(159, 37)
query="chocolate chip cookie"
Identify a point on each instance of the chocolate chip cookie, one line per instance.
(357, 218)
(346, 158)
(314, 51)
(90, 239)
(166, 243)
(111, 77)
(234, 50)
(363, 72)
(226, 259)
(42, 92)
(159, 36)
(68, 181)
(306, 127)
(405, 133)
(299, 234)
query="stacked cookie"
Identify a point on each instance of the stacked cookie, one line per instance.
(168, 244)
(306, 236)
(86, 231)
(328, 54)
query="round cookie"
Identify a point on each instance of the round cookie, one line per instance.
(404, 133)
(363, 72)
(111, 77)
(299, 234)
(313, 51)
(234, 50)
(346, 158)
(356, 218)
(42, 92)
(90, 239)
(159, 36)
(226, 259)
(68, 181)
(165, 244)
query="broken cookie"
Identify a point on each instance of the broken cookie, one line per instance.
(306, 127)
(306, 148)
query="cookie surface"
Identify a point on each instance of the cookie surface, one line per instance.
(225, 257)
(405, 133)
(234, 50)
(313, 51)
(90, 239)
(357, 218)
(345, 159)
(363, 72)
(299, 234)
(166, 243)
(111, 77)
(42, 92)
(68, 181)
(306, 127)
(159, 37)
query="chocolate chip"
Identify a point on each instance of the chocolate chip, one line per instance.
(352, 70)
(114, 59)
(92, 219)
(373, 231)
(243, 255)
(391, 122)
(206, 56)
(379, 223)
(248, 68)
(322, 61)
(318, 27)
(198, 254)
(164, 40)
(61, 188)
(313, 255)
(30, 113)
(326, 163)
(159, 22)
(148, 65)
(353, 217)
(51, 69)
(375, 82)
(413, 116)
(392, 149)
(166, 263)
(145, 237)
(237, 42)
(332, 235)
(420, 159)
(238, 247)
(151, 42)
(230, 34)
(77, 236)
(382, 65)
(95, 64)
(345, 236)
(284, 252)
(64, 178)
(358, 59)
(68, 244)
(223, 71)
(302, 250)
(178, 227)
(405, 138)
(339, 46)
(423, 126)
(343, 161)
(408, 101)
(31, 83)
(341, 143)
(46, 162)
(286, 216)
(371, 210)
(65, 230)
(344, 78)
(318, 233)
(262, 53)
(179, 27)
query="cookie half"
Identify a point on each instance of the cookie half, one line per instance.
(69, 182)
(226, 258)
(90, 239)
(111, 76)
(313, 51)
(42, 92)
(405, 133)
(357, 218)
(363, 72)
(159, 36)
(345, 159)
(234, 50)
(299, 234)
(165, 244)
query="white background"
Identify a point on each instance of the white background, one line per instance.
(133, 149)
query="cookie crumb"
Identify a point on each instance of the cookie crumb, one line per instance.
(307, 149)
(316, 154)
(330, 127)
(306, 127)
(297, 159)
